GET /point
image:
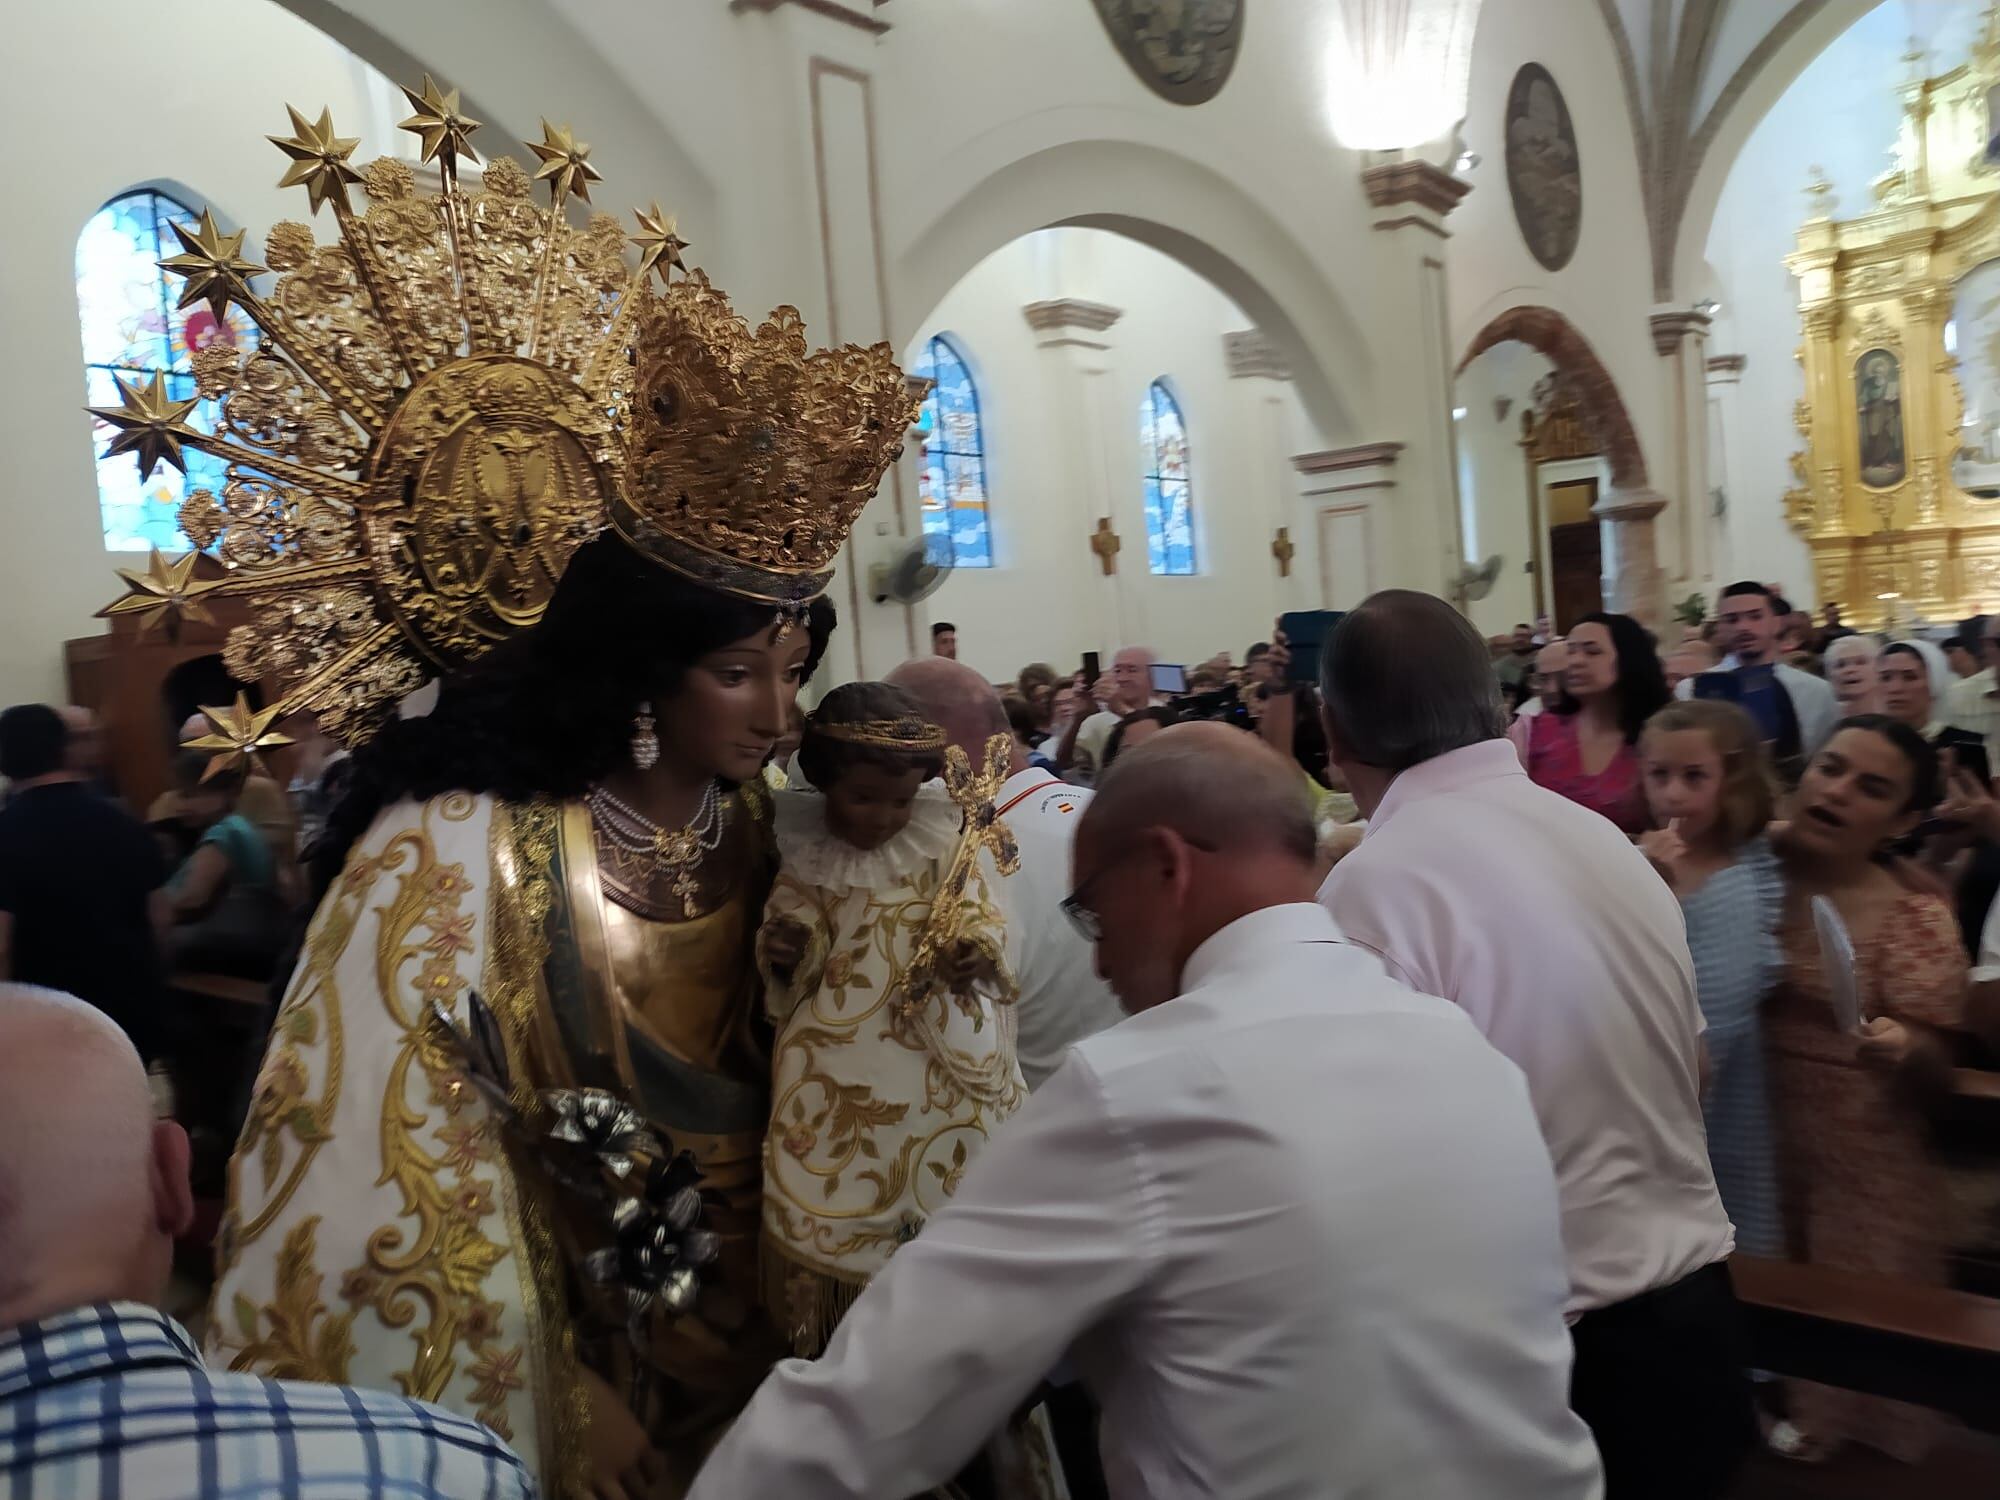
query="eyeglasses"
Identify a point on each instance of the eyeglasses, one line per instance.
(1082, 916)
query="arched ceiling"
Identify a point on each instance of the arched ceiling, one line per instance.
(1686, 66)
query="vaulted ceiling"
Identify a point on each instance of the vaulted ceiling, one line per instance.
(1686, 64)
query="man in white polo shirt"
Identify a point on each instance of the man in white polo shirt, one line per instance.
(1062, 1000)
(1540, 920)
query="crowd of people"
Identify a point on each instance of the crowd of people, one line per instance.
(1332, 1077)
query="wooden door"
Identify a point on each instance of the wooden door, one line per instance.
(1576, 557)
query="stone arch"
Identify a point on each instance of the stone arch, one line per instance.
(1173, 204)
(1557, 340)
(1758, 84)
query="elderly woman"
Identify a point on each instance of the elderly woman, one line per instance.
(1850, 667)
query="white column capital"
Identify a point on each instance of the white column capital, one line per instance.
(1672, 324)
(1070, 321)
(860, 14)
(1250, 355)
(1726, 369)
(1412, 192)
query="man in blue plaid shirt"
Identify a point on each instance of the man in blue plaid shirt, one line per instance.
(101, 1394)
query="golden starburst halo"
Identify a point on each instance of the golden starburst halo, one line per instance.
(239, 735)
(213, 264)
(564, 165)
(319, 159)
(440, 125)
(166, 591)
(659, 242)
(149, 423)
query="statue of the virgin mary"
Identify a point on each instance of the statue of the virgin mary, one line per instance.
(503, 1152)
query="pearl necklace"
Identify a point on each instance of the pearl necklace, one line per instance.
(673, 852)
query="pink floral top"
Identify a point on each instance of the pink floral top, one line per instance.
(1555, 760)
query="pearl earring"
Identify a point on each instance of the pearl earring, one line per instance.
(645, 742)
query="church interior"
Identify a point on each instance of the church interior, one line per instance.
(1211, 311)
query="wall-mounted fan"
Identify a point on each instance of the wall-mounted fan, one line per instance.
(1473, 584)
(916, 571)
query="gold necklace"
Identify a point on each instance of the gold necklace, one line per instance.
(673, 853)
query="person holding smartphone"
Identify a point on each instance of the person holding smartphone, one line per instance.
(1126, 689)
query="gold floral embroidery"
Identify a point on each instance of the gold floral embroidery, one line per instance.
(280, 1109)
(497, 1374)
(304, 1341)
(436, 1268)
(849, 1172)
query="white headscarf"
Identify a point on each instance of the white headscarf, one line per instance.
(1937, 666)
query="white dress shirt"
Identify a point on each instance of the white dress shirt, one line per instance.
(1296, 1230)
(1974, 703)
(1061, 998)
(1569, 952)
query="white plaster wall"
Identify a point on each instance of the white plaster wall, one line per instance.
(1046, 598)
(1493, 486)
(201, 136)
(1842, 116)
(1606, 288)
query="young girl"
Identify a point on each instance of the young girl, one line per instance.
(1709, 790)
(894, 1054)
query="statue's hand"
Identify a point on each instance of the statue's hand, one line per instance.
(784, 942)
(624, 1464)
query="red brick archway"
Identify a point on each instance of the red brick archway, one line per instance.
(1555, 338)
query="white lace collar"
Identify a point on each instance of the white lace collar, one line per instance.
(808, 853)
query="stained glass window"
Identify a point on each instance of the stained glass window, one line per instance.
(954, 491)
(1169, 494)
(131, 328)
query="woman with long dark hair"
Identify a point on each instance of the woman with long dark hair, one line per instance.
(1586, 747)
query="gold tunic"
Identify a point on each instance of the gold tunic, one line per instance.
(691, 1057)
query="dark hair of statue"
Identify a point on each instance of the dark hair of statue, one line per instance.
(548, 712)
(824, 759)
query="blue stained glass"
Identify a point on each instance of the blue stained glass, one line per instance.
(954, 487)
(1169, 488)
(131, 329)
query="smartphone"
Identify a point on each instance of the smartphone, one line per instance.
(1169, 679)
(1965, 755)
(1306, 631)
(1091, 670)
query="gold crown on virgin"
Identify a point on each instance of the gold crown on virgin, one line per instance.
(450, 397)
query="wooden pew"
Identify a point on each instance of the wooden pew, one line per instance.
(1929, 1345)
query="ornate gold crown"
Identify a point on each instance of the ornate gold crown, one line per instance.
(747, 459)
(910, 732)
(441, 409)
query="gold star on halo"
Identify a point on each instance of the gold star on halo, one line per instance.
(439, 125)
(149, 424)
(165, 591)
(319, 158)
(563, 167)
(659, 243)
(213, 264)
(240, 733)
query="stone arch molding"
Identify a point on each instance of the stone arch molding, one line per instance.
(1175, 205)
(1557, 340)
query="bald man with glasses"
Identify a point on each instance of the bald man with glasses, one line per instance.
(1292, 1222)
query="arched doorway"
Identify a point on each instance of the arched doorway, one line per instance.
(1560, 489)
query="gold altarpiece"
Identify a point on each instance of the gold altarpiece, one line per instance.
(1897, 490)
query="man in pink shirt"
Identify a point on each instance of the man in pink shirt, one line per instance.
(1554, 934)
